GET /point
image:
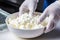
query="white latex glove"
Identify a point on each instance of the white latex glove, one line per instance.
(53, 12)
(28, 5)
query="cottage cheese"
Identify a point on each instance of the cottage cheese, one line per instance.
(26, 22)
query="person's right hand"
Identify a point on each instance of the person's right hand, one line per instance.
(28, 5)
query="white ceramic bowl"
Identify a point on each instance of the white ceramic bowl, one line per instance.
(24, 33)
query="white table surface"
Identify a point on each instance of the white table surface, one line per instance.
(53, 35)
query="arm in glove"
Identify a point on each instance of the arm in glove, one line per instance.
(53, 12)
(28, 5)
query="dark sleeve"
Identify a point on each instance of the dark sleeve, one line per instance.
(47, 3)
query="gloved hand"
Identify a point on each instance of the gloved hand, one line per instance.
(28, 5)
(53, 12)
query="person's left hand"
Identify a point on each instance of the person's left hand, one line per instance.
(50, 25)
(53, 13)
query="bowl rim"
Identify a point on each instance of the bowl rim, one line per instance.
(17, 28)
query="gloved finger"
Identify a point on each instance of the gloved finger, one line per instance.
(50, 25)
(22, 8)
(32, 7)
(43, 16)
(31, 11)
(49, 28)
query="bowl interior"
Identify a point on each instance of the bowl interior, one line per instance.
(14, 15)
